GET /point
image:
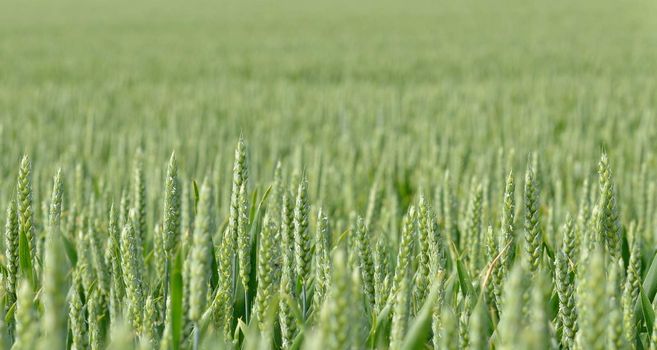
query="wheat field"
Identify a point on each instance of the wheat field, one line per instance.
(328, 174)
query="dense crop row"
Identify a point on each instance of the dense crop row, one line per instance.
(281, 271)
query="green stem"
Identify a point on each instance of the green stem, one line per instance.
(303, 301)
(196, 336)
(246, 307)
(166, 283)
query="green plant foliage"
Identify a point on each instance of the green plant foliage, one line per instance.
(328, 174)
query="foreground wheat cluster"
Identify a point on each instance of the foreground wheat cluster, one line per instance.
(495, 269)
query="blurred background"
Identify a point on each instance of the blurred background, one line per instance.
(421, 86)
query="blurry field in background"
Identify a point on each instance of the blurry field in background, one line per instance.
(89, 81)
(296, 72)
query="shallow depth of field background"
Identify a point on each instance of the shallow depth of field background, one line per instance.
(95, 78)
(340, 87)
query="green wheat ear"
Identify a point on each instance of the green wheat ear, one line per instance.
(24, 205)
(496, 277)
(381, 273)
(275, 202)
(437, 323)
(243, 242)
(150, 337)
(223, 302)
(609, 226)
(507, 224)
(200, 255)
(565, 287)
(569, 234)
(55, 279)
(287, 234)
(472, 243)
(615, 333)
(335, 328)
(117, 291)
(11, 254)
(94, 319)
(77, 319)
(124, 208)
(404, 257)
(26, 319)
(632, 285)
(511, 317)
(102, 273)
(55, 212)
(373, 205)
(287, 320)
(171, 222)
(302, 240)
(365, 261)
(139, 195)
(322, 260)
(464, 321)
(450, 210)
(132, 262)
(593, 327)
(425, 247)
(583, 217)
(265, 276)
(240, 178)
(401, 310)
(533, 232)
(537, 334)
